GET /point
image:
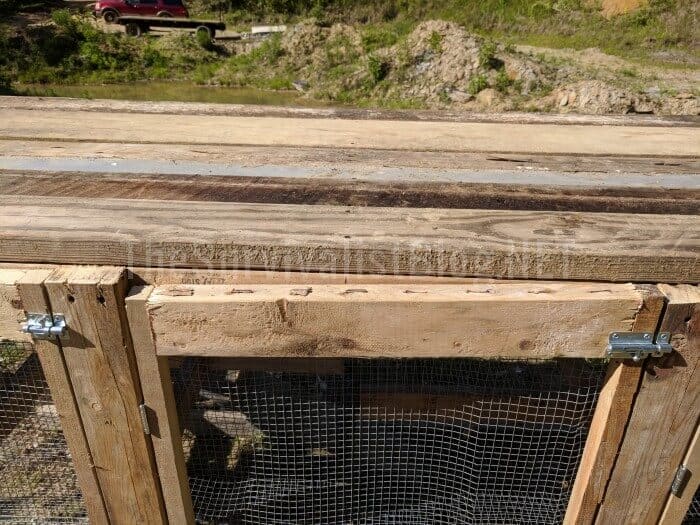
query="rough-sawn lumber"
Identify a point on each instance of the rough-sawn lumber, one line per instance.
(488, 321)
(489, 243)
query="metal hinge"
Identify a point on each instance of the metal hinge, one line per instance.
(143, 409)
(45, 326)
(680, 480)
(638, 345)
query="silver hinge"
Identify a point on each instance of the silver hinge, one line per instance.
(638, 345)
(45, 326)
(144, 419)
(680, 480)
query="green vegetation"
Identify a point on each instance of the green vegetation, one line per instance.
(361, 53)
(478, 83)
(73, 50)
(11, 354)
(578, 24)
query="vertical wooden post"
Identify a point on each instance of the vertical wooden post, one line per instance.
(663, 420)
(101, 364)
(677, 506)
(30, 288)
(160, 400)
(609, 420)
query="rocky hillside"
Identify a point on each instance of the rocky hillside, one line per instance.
(440, 64)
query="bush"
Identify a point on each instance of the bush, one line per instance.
(435, 42)
(378, 68)
(487, 54)
(503, 81)
(477, 83)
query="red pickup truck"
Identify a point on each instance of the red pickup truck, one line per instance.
(110, 10)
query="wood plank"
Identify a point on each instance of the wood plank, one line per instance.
(174, 276)
(100, 360)
(241, 110)
(663, 420)
(30, 288)
(490, 243)
(677, 506)
(115, 127)
(217, 159)
(557, 320)
(609, 421)
(313, 189)
(11, 310)
(162, 411)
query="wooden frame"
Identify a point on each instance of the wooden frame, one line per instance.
(285, 311)
(413, 217)
(588, 310)
(94, 384)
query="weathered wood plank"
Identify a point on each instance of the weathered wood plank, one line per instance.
(347, 133)
(151, 158)
(162, 411)
(677, 506)
(609, 421)
(663, 420)
(500, 320)
(331, 191)
(30, 288)
(491, 243)
(251, 110)
(101, 364)
(11, 309)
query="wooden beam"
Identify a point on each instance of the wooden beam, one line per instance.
(250, 110)
(609, 421)
(677, 505)
(162, 412)
(663, 420)
(500, 244)
(491, 321)
(331, 191)
(101, 364)
(116, 127)
(30, 287)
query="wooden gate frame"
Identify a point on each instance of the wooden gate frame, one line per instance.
(99, 304)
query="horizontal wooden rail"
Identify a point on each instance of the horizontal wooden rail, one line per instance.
(530, 192)
(356, 134)
(500, 244)
(489, 321)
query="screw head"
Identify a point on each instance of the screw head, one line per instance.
(647, 336)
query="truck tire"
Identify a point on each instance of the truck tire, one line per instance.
(206, 30)
(134, 29)
(164, 14)
(109, 16)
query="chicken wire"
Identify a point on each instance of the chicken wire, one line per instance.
(693, 515)
(37, 480)
(429, 441)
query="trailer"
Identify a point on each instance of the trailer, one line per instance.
(138, 25)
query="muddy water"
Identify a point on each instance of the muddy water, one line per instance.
(175, 91)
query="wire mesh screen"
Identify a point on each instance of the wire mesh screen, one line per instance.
(37, 480)
(693, 515)
(431, 441)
